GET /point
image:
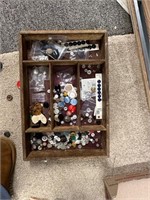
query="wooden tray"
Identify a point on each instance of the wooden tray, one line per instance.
(100, 58)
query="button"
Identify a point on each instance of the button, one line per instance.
(68, 87)
(93, 134)
(89, 72)
(61, 104)
(62, 122)
(65, 94)
(7, 134)
(34, 147)
(46, 105)
(39, 141)
(44, 144)
(93, 46)
(68, 113)
(72, 108)
(87, 114)
(90, 121)
(48, 91)
(67, 99)
(72, 94)
(49, 146)
(73, 102)
(74, 116)
(83, 42)
(9, 97)
(65, 108)
(44, 138)
(79, 43)
(60, 117)
(99, 81)
(39, 148)
(74, 43)
(67, 119)
(56, 111)
(97, 145)
(56, 118)
(66, 44)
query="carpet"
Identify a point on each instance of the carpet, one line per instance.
(17, 15)
(82, 178)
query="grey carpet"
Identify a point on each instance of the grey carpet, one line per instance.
(16, 15)
(82, 178)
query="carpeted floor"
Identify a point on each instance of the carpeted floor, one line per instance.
(82, 178)
(16, 15)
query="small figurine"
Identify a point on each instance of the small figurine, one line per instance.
(37, 115)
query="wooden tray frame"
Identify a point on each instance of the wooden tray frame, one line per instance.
(24, 64)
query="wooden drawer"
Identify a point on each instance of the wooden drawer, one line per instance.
(58, 71)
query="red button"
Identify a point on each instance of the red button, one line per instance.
(72, 108)
(18, 84)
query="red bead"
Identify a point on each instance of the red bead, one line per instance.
(18, 85)
(72, 108)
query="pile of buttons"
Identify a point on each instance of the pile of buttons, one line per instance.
(65, 105)
(64, 140)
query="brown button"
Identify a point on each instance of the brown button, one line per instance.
(9, 97)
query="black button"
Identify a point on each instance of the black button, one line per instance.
(70, 43)
(7, 134)
(74, 43)
(98, 81)
(60, 117)
(46, 105)
(66, 44)
(83, 42)
(79, 43)
(93, 46)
